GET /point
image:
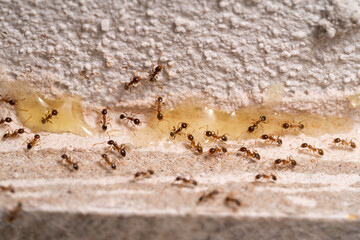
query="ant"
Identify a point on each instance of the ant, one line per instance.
(289, 161)
(49, 116)
(15, 212)
(131, 118)
(8, 100)
(146, 174)
(313, 149)
(105, 120)
(33, 142)
(232, 202)
(116, 147)
(215, 136)
(271, 177)
(107, 160)
(214, 150)
(68, 161)
(270, 138)
(253, 154)
(13, 134)
(287, 125)
(155, 72)
(208, 196)
(262, 119)
(159, 115)
(175, 131)
(133, 82)
(344, 142)
(5, 120)
(185, 182)
(197, 146)
(8, 188)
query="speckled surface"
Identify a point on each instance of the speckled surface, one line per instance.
(226, 52)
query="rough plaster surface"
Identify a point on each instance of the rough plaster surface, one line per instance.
(229, 52)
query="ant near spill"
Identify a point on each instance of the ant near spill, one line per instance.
(7, 189)
(255, 125)
(130, 118)
(48, 116)
(134, 80)
(153, 76)
(108, 162)
(287, 125)
(8, 100)
(232, 203)
(286, 162)
(69, 161)
(184, 182)
(116, 147)
(13, 134)
(270, 138)
(215, 136)
(270, 177)
(5, 120)
(15, 212)
(177, 131)
(146, 174)
(208, 196)
(197, 146)
(33, 142)
(253, 154)
(345, 143)
(313, 149)
(214, 150)
(105, 120)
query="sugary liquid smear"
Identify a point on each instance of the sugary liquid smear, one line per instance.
(33, 107)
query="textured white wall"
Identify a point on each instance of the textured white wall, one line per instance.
(224, 48)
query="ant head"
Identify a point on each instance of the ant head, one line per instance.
(273, 177)
(199, 149)
(136, 79)
(286, 125)
(263, 118)
(64, 156)
(21, 130)
(126, 87)
(243, 149)
(257, 156)
(159, 99)
(190, 137)
(251, 129)
(223, 149)
(113, 166)
(151, 172)
(8, 119)
(337, 140)
(122, 116)
(29, 146)
(184, 125)
(277, 161)
(208, 133)
(104, 127)
(212, 150)
(136, 121)
(159, 116)
(352, 144)
(178, 178)
(158, 68)
(12, 102)
(258, 176)
(279, 141)
(111, 142)
(104, 155)
(265, 136)
(293, 162)
(54, 112)
(37, 136)
(321, 152)
(75, 166)
(43, 121)
(123, 152)
(224, 138)
(104, 112)
(301, 126)
(304, 145)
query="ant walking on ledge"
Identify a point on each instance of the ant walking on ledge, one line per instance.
(286, 162)
(48, 116)
(255, 125)
(130, 118)
(270, 177)
(232, 203)
(146, 174)
(33, 142)
(208, 196)
(69, 161)
(177, 131)
(287, 125)
(13, 134)
(343, 142)
(135, 80)
(5, 120)
(197, 146)
(254, 154)
(271, 139)
(108, 162)
(116, 147)
(105, 120)
(313, 149)
(184, 182)
(15, 212)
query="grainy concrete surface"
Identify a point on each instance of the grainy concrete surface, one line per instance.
(229, 52)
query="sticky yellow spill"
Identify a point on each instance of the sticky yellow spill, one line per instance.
(33, 107)
(355, 100)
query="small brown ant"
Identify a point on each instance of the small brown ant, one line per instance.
(133, 82)
(48, 116)
(175, 131)
(13, 213)
(108, 162)
(289, 162)
(287, 125)
(215, 136)
(214, 150)
(253, 154)
(262, 119)
(270, 138)
(208, 196)
(13, 134)
(159, 115)
(232, 203)
(271, 177)
(344, 142)
(116, 147)
(313, 149)
(5, 120)
(8, 188)
(197, 146)
(69, 161)
(131, 119)
(8, 100)
(185, 182)
(154, 74)
(146, 174)
(105, 120)
(33, 142)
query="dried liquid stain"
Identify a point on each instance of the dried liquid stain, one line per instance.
(33, 107)
(235, 124)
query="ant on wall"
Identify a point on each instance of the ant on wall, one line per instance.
(255, 125)
(271, 139)
(48, 116)
(177, 131)
(208, 196)
(105, 120)
(270, 177)
(130, 118)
